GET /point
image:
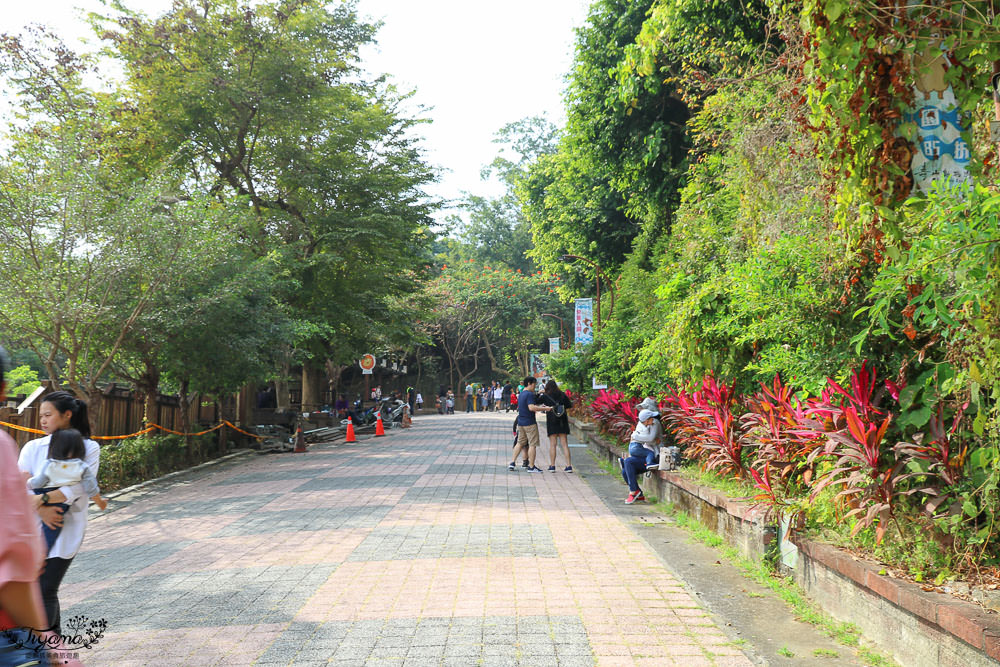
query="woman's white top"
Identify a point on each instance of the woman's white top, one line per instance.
(33, 459)
(498, 393)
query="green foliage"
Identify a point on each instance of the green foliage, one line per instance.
(139, 459)
(490, 310)
(746, 281)
(21, 380)
(572, 368)
(268, 104)
(616, 162)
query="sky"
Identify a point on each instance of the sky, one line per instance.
(475, 65)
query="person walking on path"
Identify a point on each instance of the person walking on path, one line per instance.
(468, 397)
(497, 396)
(642, 453)
(527, 425)
(65, 467)
(60, 410)
(557, 423)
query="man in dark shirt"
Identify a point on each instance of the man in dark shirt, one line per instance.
(527, 425)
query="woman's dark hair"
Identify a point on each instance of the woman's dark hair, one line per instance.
(67, 443)
(67, 402)
(552, 389)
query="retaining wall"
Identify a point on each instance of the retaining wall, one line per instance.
(917, 628)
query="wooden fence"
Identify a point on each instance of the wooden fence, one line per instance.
(122, 410)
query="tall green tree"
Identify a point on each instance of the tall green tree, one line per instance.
(268, 102)
(618, 162)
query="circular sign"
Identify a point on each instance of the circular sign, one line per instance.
(367, 362)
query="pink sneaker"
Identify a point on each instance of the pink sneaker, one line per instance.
(635, 497)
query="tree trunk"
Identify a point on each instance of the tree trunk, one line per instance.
(185, 405)
(312, 393)
(333, 375)
(148, 386)
(281, 383)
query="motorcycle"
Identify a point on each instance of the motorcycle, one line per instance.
(392, 410)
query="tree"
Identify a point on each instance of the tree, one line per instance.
(617, 163)
(268, 103)
(497, 232)
(493, 311)
(88, 252)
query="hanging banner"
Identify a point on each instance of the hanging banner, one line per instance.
(941, 152)
(537, 367)
(553, 345)
(584, 322)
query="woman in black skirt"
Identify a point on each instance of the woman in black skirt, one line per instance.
(557, 423)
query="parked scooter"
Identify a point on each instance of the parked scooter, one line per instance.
(361, 417)
(392, 410)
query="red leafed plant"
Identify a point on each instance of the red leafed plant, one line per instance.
(704, 424)
(615, 413)
(777, 422)
(869, 477)
(861, 397)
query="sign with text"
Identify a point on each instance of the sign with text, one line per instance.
(941, 152)
(584, 322)
(553, 345)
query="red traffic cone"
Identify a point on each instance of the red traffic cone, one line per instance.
(350, 431)
(300, 441)
(378, 425)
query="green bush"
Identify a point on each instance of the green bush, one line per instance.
(146, 457)
(22, 380)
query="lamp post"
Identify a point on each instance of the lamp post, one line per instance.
(599, 278)
(562, 328)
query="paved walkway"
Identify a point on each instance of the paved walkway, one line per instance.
(419, 548)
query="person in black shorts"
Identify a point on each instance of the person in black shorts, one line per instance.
(557, 423)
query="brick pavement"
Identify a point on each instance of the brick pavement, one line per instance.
(415, 549)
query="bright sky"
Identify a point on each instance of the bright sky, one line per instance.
(477, 65)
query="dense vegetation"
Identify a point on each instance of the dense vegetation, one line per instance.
(820, 322)
(797, 302)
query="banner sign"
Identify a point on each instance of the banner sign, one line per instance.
(537, 366)
(584, 322)
(553, 345)
(941, 152)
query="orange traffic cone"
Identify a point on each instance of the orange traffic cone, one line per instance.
(350, 431)
(300, 441)
(378, 426)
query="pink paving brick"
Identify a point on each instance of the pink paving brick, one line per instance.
(458, 537)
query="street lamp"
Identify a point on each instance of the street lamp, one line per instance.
(597, 300)
(562, 328)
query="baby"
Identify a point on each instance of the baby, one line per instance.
(65, 467)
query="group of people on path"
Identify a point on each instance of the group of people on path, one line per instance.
(555, 404)
(644, 442)
(44, 497)
(492, 397)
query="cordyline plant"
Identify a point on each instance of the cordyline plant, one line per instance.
(615, 413)
(777, 422)
(704, 424)
(869, 472)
